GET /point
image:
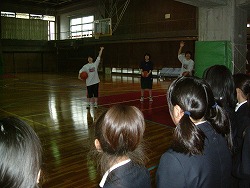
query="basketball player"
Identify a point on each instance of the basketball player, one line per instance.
(92, 82)
(146, 80)
(186, 61)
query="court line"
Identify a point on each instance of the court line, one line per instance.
(22, 117)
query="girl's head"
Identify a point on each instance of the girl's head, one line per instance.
(191, 95)
(147, 56)
(20, 154)
(220, 79)
(90, 59)
(242, 85)
(188, 55)
(191, 101)
(120, 130)
(118, 134)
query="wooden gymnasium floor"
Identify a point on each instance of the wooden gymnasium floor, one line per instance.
(55, 106)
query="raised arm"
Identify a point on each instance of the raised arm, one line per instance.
(100, 52)
(181, 46)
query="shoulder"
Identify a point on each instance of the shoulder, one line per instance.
(129, 175)
(247, 130)
(171, 159)
(171, 165)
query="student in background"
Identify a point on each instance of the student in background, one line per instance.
(220, 79)
(200, 154)
(146, 68)
(241, 162)
(118, 140)
(187, 64)
(20, 154)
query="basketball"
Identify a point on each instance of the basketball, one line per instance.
(84, 75)
(144, 74)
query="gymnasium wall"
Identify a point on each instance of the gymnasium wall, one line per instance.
(143, 28)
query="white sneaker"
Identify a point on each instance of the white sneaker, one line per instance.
(150, 99)
(142, 99)
(95, 105)
(88, 106)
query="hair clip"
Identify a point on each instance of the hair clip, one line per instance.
(187, 113)
(215, 104)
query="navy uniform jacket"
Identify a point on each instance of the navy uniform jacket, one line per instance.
(129, 175)
(210, 170)
(242, 121)
(241, 164)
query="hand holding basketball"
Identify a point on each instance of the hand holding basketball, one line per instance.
(144, 74)
(83, 75)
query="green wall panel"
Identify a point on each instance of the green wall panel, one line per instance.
(208, 53)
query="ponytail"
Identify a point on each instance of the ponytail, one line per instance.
(188, 138)
(221, 123)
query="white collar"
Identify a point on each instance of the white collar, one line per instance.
(239, 105)
(198, 123)
(104, 177)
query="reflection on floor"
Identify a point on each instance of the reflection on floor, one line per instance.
(55, 106)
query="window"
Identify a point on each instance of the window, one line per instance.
(81, 27)
(22, 15)
(8, 14)
(36, 16)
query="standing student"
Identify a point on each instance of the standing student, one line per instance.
(200, 154)
(118, 139)
(186, 61)
(221, 81)
(146, 68)
(20, 154)
(92, 82)
(241, 163)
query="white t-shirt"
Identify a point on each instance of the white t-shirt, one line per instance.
(187, 65)
(92, 70)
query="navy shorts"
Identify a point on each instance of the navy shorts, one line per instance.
(146, 83)
(93, 90)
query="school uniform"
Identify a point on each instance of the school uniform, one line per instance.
(129, 175)
(212, 169)
(242, 117)
(241, 160)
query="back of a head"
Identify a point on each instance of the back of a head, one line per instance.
(191, 95)
(120, 133)
(220, 79)
(20, 154)
(242, 81)
(194, 96)
(120, 129)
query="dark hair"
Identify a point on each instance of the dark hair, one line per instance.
(147, 54)
(120, 133)
(188, 52)
(193, 95)
(20, 154)
(220, 79)
(242, 81)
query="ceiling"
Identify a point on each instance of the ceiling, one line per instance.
(50, 4)
(57, 4)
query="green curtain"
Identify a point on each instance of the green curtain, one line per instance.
(24, 29)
